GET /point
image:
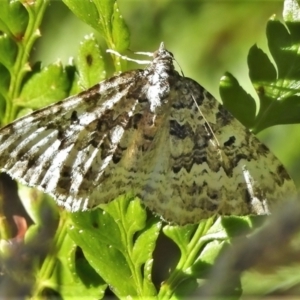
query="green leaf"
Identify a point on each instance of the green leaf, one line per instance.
(90, 63)
(236, 226)
(120, 32)
(181, 235)
(87, 12)
(277, 87)
(260, 67)
(199, 246)
(8, 51)
(282, 49)
(203, 264)
(190, 239)
(65, 271)
(104, 16)
(98, 237)
(118, 242)
(4, 82)
(73, 278)
(129, 210)
(13, 18)
(97, 14)
(237, 100)
(45, 87)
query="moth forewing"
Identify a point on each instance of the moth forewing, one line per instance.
(151, 132)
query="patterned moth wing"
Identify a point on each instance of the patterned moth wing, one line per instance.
(150, 132)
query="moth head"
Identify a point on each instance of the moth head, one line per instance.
(163, 55)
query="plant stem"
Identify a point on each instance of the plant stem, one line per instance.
(186, 261)
(47, 268)
(21, 66)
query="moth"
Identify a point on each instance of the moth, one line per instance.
(153, 133)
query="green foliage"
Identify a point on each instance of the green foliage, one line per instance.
(90, 64)
(44, 87)
(104, 16)
(113, 246)
(19, 24)
(118, 242)
(14, 18)
(277, 85)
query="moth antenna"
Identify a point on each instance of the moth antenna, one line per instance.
(144, 53)
(211, 130)
(138, 61)
(179, 67)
